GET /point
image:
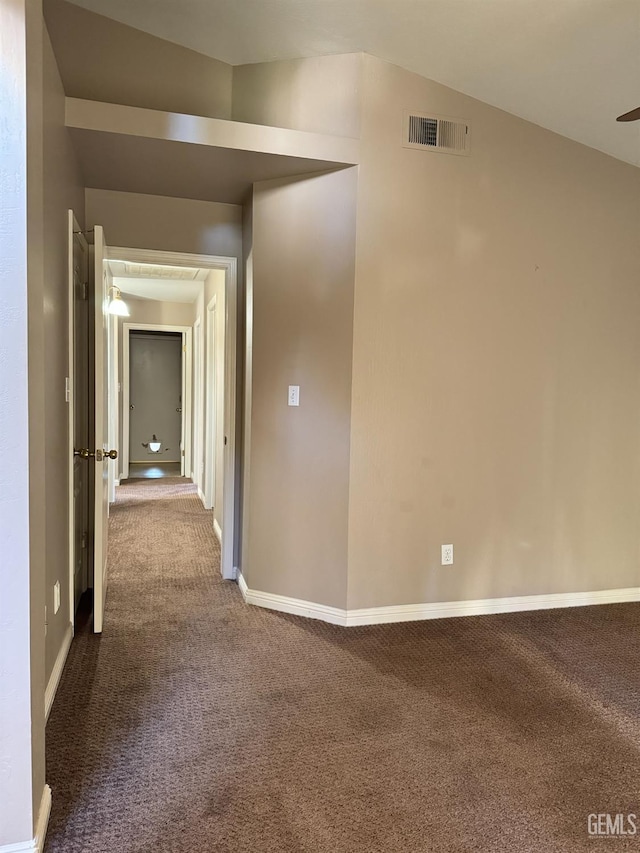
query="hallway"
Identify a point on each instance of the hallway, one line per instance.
(198, 723)
(132, 704)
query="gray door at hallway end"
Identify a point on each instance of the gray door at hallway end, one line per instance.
(155, 396)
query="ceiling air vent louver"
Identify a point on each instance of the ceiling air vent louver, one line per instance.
(436, 133)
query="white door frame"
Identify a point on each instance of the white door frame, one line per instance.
(185, 331)
(198, 386)
(211, 407)
(229, 266)
(113, 392)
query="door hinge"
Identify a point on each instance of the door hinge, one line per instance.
(85, 539)
(184, 347)
(85, 290)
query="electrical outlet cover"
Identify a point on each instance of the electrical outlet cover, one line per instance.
(447, 555)
(294, 395)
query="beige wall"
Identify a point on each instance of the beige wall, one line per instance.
(496, 353)
(62, 190)
(168, 224)
(319, 95)
(303, 272)
(159, 313)
(34, 237)
(104, 60)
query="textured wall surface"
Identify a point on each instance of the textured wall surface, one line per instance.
(168, 224)
(302, 322)
(103, 60)
(496, 395)
(62, 190)
(321, 94)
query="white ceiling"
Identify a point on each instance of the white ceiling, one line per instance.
(568, 65)
(158, 282)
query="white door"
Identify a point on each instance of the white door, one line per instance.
(113, 392)
(101, 429)
(78, 396)
(198, 462)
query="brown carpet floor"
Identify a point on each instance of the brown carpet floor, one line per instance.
(196, 723)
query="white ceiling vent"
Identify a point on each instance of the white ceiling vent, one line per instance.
(436, 133)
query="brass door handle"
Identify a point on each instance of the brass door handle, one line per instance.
(84, 453)
(98, 455)
(179, 409)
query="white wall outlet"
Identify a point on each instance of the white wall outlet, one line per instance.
(294, 395)
(56, 596)
(447, 555)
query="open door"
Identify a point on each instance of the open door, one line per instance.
(78, 398)
(101, 427)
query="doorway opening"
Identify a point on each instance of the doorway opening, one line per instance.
(157, 394)
(194, 295)
(179, 342)
(154, 377)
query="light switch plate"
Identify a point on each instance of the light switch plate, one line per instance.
(294, 395)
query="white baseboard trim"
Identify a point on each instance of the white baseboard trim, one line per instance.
(202, 497)
(36, 844)
(116, 482)
(244, 589)
(297, 606)
(433, 610)
(217, 530)
(56, 672)
(478, 607)
(43, 820)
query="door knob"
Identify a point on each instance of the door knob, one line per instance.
(179, 409)
(131, 406)
(98, 455)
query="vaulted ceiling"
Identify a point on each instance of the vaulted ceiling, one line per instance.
(571, 66)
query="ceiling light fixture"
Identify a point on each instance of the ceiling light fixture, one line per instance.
(117, 305)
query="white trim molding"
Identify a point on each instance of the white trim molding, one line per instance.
(297, 606)
(217, 530)
(244, 589)
(56, 672)
(36, 844)
(433, 610)
(187, 413)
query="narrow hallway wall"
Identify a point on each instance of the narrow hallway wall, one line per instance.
(303, 257)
